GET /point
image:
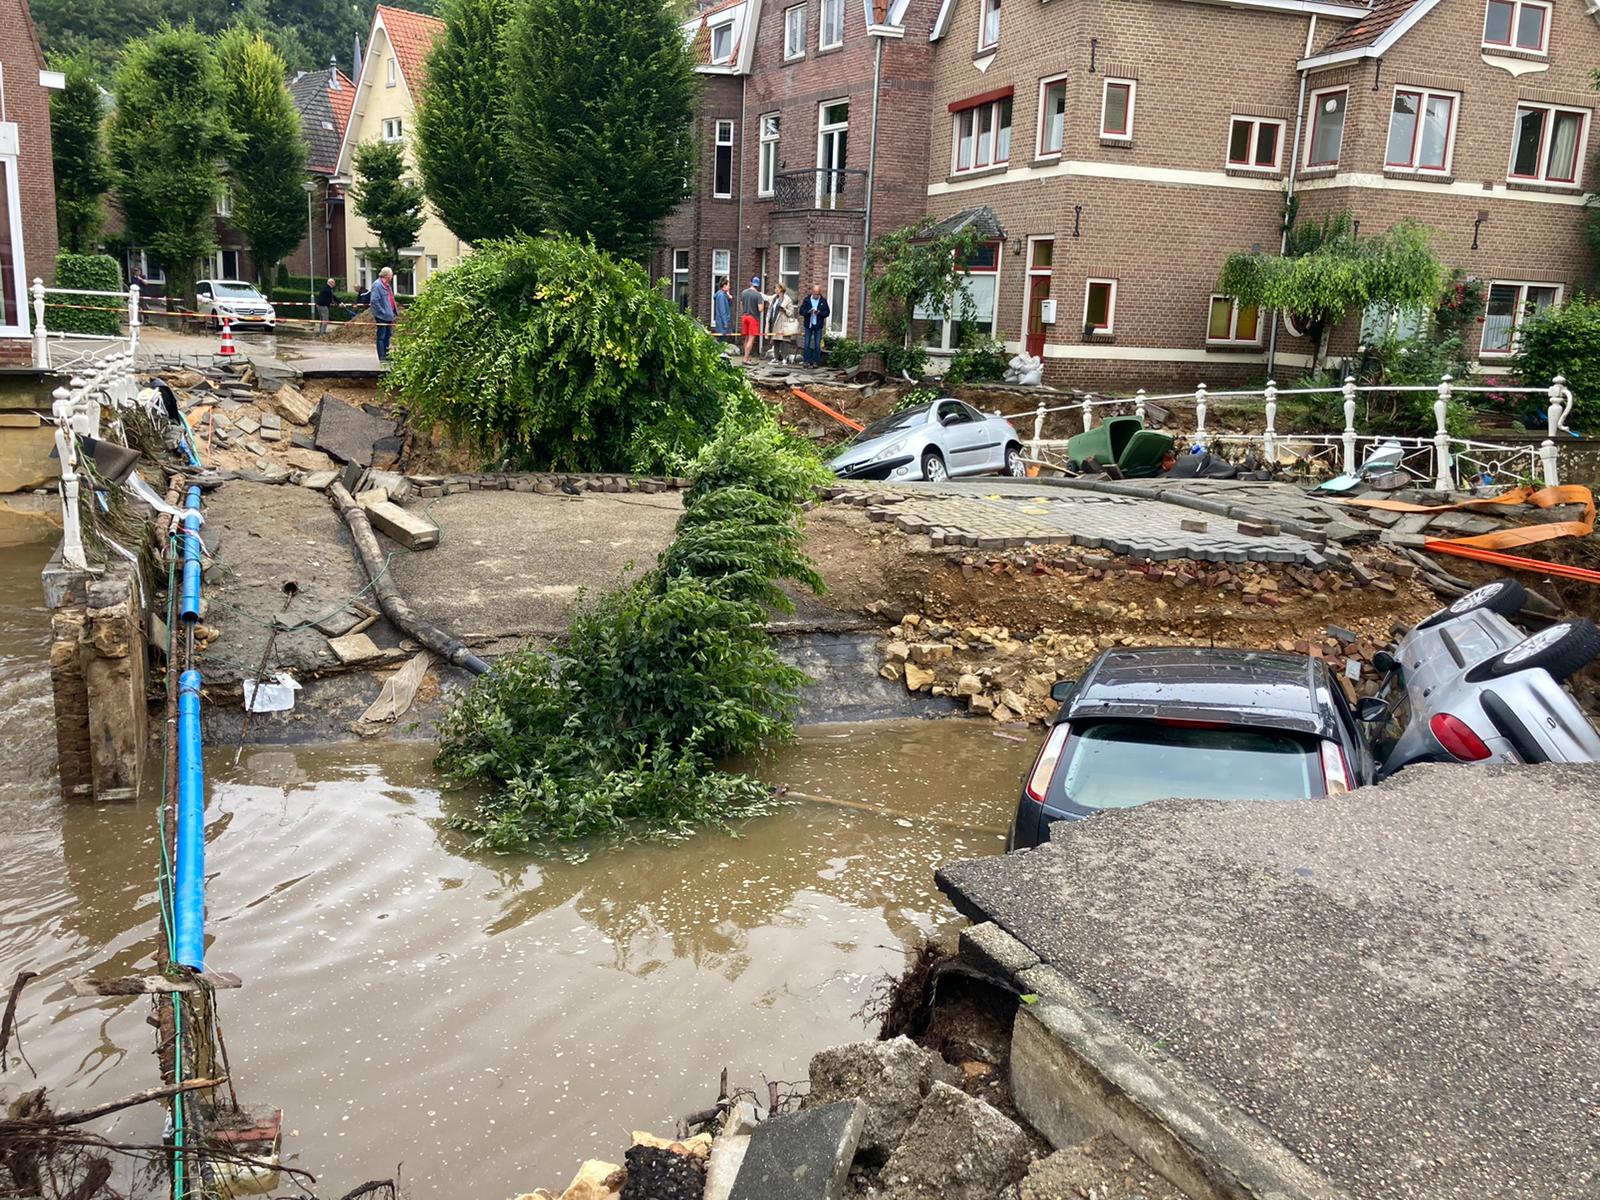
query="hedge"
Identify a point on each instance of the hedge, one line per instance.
(96, 272)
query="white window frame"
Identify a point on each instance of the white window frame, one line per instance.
(825, 135)
(725, 257)
(719, 128)
(224, 204)
(794, 32)
(1256, 124)
(1541, 177)
(993, 108)
(150, 273)
(837, 9)
(394, 129)
(767, 159)
(724, 27)
(1110, 327)
(1520, 312)
(681, 265)
(217, 261)
(1105, 91)
(839, 315)
(791, 278)
(393, 77)
(1414, 167)
(1317, 97)
(1233, 338)
(21, 309)
(988, 14)
(364, 271)
(1517, 7)
(1045, 84)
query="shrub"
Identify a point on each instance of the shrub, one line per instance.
(554, 355)
(978, 359)
(88, 314)
(1565, 341)
(843, 353)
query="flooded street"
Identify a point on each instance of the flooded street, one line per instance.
(486, 1021)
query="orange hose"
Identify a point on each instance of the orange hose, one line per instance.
(837, 416)
(1513, 562)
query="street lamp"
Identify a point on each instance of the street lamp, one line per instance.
(310, 186)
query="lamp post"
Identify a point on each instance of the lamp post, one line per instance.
(310, 186)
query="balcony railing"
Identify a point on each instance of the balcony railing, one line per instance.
(826, 189)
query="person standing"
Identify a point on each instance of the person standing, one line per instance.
(722, 310)
(752, 307)
(784, 326)
(384, 310)
(813, 323)
(325, 303)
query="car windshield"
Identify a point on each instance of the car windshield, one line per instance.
(905, 419)
(1121, 764)
(236, 291)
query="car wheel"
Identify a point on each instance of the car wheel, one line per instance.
(933, 468)
(1504, 596)
(1563, 649)
(1015, 467)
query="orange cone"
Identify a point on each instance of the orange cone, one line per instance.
(226, 350)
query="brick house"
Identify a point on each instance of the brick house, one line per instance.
(27, 177)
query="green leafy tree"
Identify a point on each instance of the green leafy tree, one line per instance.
(602, 100)
(1327, 273)
(268, 164)
(385, 199)
(916, 270)
(1565, 340)
(166, 136)
(461, 145)
(82, 173)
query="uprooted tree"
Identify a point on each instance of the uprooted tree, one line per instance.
(915, 269)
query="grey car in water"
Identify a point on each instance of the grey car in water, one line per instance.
(942, 440)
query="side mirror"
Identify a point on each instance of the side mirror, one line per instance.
(1385, 662)
(948, 419)
(1370, 710)
(1061, 689)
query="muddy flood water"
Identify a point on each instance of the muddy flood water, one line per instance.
(486, 1021)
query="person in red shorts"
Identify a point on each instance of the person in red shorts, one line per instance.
(752, 308)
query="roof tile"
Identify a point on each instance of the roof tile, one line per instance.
(411, 34)
(1371, 27)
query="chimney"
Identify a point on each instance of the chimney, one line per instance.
(333, 74)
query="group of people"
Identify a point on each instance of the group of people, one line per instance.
(379, 298)
(776, 317)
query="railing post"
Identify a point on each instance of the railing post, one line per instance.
(1200, 416)
(133, 318)
(1138, 405)
(66, 449)
(1088, 414)
(1349, 424)
(1038, 430)
(1269, 443)
(1445, 480)
(1555, 417)
(41, 346)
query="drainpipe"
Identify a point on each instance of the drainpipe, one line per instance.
(872, 167)
(1288, 198)
(738, 263)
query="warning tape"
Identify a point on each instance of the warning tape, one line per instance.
(179, 312)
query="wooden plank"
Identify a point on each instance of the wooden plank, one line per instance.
(151, 985)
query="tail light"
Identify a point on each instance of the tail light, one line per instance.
(1044, 767)
(1335, 771)
(1457, 738)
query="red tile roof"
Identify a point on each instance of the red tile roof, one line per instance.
(1371, 27)
(411, 34)
(342, 101)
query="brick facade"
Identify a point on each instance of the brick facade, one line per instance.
(25, 137)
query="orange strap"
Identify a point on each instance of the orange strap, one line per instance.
(837, 416)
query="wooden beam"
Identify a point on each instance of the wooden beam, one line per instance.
(152, 985)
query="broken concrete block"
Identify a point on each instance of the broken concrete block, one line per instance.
(595, 1180)
(308, 460)
(354, 648)
(918, 679)
(1190, 525)
(891, 1077)
(411, 530)
(400, 488)
(371, 496)
(931, 652)
(292, 403)
(728, 1151)
(801, 1156)
(319, 481)
(1259, 529)
(347, 432)
(958, 1148)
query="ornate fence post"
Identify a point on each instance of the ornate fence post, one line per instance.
(1444, 469)
(1038, 430)
(1269, 442)
(133, 318)
(1200, 416)
(1349, 424)
(41, 347)
(1138, 406)
(1555, 418)
(1088, 412)
(66, 447)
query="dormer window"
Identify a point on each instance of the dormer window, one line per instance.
(722, 42)
(1517, 25)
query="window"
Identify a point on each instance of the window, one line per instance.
(1517, 25)
(1546, 143)
(149, 266)
(1380, 322)
(838, 288)
(1233, 323)
(227, 264)
(405, 275)
(767, 172)
(433, 266)
(989, 24)
(1116, 109)
(394, 73)
(794, 32)
(983, 136)
(393, 129)
(1327, 127)
(833, 152)
(1509, 305)
(1420, 129)
(364, 272)
(1052, 116)
(979, 285)
(1255, 144)
(722, 42)
(789, 270)
(722, 162)
(721, 268)
(830, 30)
(1099, 307)
(680, 278)
(225, 202)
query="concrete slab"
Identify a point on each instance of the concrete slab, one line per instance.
(1397, 986)
(801, 1156)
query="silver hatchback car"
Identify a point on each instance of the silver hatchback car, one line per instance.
(1466, 685)
(937, 441)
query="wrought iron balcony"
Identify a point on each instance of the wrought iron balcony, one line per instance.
(825, 189)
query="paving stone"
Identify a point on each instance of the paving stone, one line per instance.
(348, 433)
(801, 1156)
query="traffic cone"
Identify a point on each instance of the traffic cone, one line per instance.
(226, 350)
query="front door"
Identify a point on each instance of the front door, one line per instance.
(1041, 254)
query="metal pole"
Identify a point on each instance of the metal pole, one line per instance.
(872, 166)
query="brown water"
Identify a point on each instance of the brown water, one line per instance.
(488, 1021)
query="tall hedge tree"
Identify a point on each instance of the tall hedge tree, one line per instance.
(602, 100)
(268, 165)
(167, 134)
(385, 199)
(76, 142)
(467, 172)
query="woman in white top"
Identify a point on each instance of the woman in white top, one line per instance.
(783, 322)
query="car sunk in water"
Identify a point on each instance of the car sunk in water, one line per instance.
(942, 440)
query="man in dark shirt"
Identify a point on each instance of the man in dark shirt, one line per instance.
(752, 307)
(325, 303)
(814, 314)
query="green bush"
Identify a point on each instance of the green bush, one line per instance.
(88, 314)
(842, 353)
(553, 355)
(623, 729)
(1565, 341)
(981, 358)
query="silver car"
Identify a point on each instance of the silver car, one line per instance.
(1466, 685)
(942, 440)
(240, 302)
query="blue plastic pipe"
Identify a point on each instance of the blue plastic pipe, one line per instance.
(190, 610)
(189, 902)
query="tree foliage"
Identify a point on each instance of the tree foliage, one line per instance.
(1565, 340)
(166, 136)
(916, 269)
(268, 164)
(601, 105)
(78, 152)
(462, 151)
(385, 199)
(553, 355)
(1327, 273)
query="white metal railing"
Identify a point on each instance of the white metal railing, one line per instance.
(43, 359)
(107, 382)
(1442, 451)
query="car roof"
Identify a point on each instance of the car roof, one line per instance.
(1236, 686)
(237, 282)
